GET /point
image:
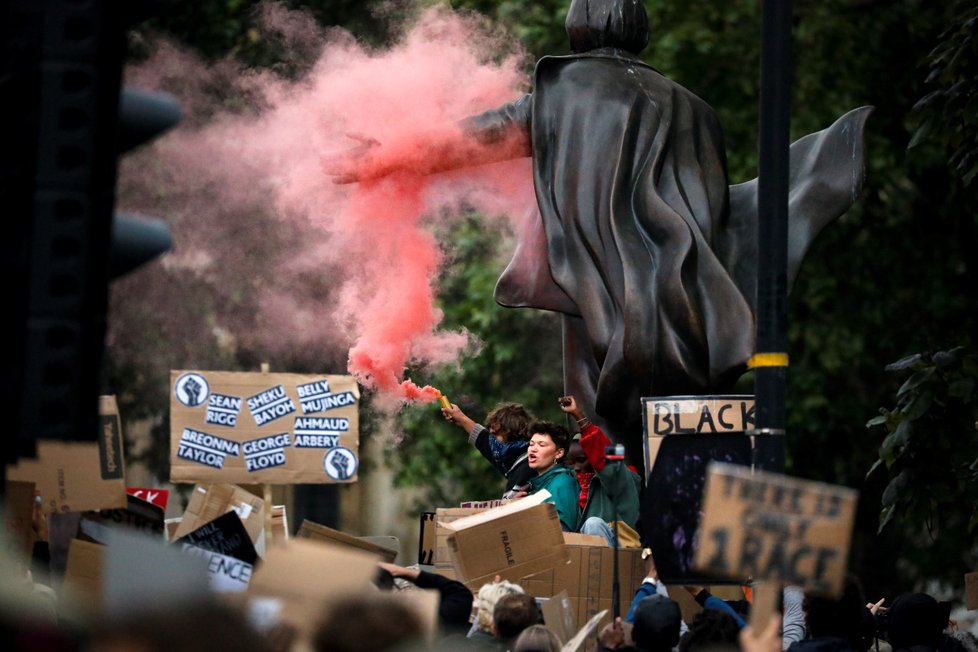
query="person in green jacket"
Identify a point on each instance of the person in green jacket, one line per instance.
(609, 489)
(548, 445)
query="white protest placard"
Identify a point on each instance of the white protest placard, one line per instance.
(263, 428)
(773, 527)
(227, 574)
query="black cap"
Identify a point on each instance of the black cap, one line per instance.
(656, 623)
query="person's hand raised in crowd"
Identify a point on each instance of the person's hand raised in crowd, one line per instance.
(613, 635)
(456, 416)
(569, 405)
(876, 608)
(410, 574)
(769, 639)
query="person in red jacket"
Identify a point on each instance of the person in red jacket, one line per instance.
(609, 489)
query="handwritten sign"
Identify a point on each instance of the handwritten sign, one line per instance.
(225, 535)
(266, 428)
(769, 526)
(699, 415)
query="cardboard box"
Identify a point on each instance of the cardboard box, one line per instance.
(263, 428)
(207, 502)
(588, 579)
(512, 546)
(442, 555)
(310, 530)
(79, 476)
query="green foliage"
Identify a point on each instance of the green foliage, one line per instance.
(930, 457)
(518, 361)
(949, 114)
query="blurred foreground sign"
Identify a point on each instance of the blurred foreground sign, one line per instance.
(267, 428)
(771, 527)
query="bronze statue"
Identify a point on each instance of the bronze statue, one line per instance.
(644, 250)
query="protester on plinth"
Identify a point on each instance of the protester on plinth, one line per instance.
(503, 441)
(548, 445)
(609, 489)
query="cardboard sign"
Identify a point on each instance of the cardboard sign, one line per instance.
(558, 616)
(769, 526)
(697, 415)
(18, 518)
(971, 590)
(306, 575)
(263, 428)
(227, 574)
(225, 535)
(138, 515)
(79, 476)
(207, 502)
(158, 497)
(83, 573)
(310, 530)
(138, 571)
(589, 628)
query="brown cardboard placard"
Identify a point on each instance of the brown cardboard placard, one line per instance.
(280, 524)
(18, 515)
(315, 531)
(683, 415)
(268, 428)
(83, 573)
(577, 642)
(770, 526)
(307, 574)
(971, 590)
(207, 502)
(79, 476)
(558, 616)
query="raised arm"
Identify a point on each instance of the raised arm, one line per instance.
(496, 135)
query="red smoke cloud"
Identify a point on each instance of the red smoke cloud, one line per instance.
(327, 265)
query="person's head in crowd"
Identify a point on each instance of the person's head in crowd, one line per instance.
(509, 422)
(916, 620)
(486, 599)
(372, 621)
(513, 614)
(548, 445)
(711, 629)
(196, 627)
(844, 617)
(537, 638)
(656, 623)
(576, 458)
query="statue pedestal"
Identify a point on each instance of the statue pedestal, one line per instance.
(682, 435)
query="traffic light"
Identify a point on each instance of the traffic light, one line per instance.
(64, 123)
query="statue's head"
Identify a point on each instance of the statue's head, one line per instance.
(593, 24)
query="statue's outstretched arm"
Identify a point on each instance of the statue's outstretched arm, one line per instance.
(496, 135)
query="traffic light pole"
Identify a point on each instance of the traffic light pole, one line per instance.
(770, 363)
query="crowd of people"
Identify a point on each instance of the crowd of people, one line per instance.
(594, 492)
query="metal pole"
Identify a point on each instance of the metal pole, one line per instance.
(771, 360)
